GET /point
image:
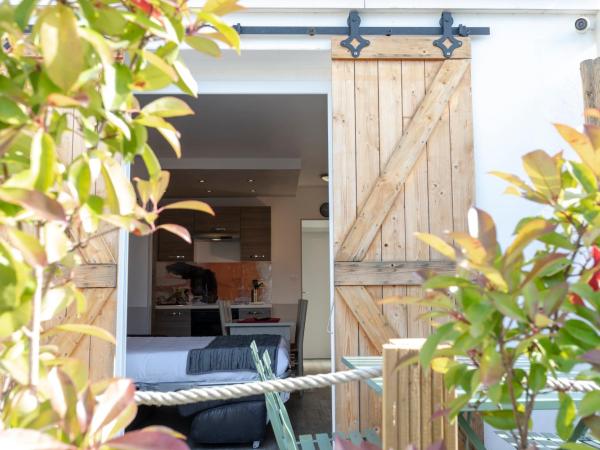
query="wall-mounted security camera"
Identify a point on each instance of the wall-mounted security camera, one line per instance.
(583, 24)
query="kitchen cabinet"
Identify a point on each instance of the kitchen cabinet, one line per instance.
(255, 234)
(172, 322)
(226, 220)
(170, 246)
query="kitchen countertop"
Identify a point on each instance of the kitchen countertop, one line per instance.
(215, 306)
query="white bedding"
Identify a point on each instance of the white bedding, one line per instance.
(163, 360)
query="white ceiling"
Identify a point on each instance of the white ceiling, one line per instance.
(232, 133)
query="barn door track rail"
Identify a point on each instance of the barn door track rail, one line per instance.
(355, 42)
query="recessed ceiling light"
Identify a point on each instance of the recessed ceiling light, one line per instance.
(252, 190)
(201, 180)
(325, 177)
(250, 180)
(209, 191)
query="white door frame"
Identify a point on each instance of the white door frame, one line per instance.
(233, 87)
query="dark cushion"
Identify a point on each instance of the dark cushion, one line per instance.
(231, 423)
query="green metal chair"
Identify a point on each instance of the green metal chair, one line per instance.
(280, 421)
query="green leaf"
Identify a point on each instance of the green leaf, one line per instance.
(566, 416)
(530, 231)
(446, 281)
(151, 161)
(167, 107)
(194, 205)
(31, 249)
(55, 241)
(544, 172)
(186, 82)
(590, 404)
(160, 64)
(429, 347)
(11, 113)
(507, 304)
(491, 366)
(585, 176)
(172, 137)
(437, 244)
(82, 328)
(582, 145)
(43, 161)
(537, 377)
(472, 248)
(62, 49)
(583, 332)
(122, 195)
(39, 203)
(203, 45)
(501, 420)
(80, 179)
(221, 7)
(229, 34)
(23, 12)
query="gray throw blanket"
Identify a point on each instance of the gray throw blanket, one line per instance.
(231, 353)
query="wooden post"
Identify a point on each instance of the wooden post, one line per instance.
(411, 395)
(590, 77)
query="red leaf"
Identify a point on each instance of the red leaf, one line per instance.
(41, 204)
(346, 444)
(118, 394)
(18, 438)
(596, 255)
(177, 230)
(438, 445)
(592, 357)
(147, 440)
(575, 299)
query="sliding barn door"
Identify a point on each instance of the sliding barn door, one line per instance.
(97, 277)
(402, 163)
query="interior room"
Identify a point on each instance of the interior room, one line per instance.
(261, 162)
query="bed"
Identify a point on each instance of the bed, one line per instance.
(159, 363)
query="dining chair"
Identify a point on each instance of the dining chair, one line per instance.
(297, 348)
(224, 315)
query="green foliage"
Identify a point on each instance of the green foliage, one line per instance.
(71, 70)
(537, 300)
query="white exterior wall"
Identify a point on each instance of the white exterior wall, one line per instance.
(525, 76)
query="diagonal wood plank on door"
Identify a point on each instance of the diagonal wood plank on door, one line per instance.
(408, 150)
(368, 315)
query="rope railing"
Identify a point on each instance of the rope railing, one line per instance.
(228, 392)
(233, 391)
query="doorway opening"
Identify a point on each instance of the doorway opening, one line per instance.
(261, 162)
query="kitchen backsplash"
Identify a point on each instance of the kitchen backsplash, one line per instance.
(234, 279)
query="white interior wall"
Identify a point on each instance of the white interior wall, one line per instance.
(315, 287)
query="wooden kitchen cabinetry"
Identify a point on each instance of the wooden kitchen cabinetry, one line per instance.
(255, 234)
(170, 246)
(172, 322)
(226, 220)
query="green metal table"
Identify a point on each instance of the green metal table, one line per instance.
(548, 401)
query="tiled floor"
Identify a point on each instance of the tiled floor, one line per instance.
(310, 413)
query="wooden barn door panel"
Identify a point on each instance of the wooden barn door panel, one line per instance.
(97, 277)
(402, 163)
